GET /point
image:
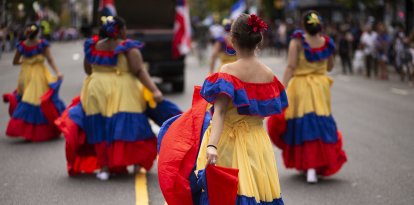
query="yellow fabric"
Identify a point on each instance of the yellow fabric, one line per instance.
(305, 67)
(112, 89)
(309, 89)
(149, 97)
(225, 59)
(245, 145)
(34, 79)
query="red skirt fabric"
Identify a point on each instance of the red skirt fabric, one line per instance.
(326, 158)
(31, 132)
(34, 123)
(87, 158)
(178, 153)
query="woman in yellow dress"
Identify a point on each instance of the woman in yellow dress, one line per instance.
(235, 143)
(311, 141)
(223, 49)
(35, 104)
(243, 93)
(111, 110)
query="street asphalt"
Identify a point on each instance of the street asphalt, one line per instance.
(375, 117)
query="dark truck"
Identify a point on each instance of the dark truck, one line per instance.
(152, 22)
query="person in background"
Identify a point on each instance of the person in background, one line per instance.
(382, 45)
(216, 30)
(3, 34)
(35, 104)
(358, 61)
(113, 102)
(368, 40)
(402, 54)
(223, 49)
(46, 29)
(345, 49)
(307, 132)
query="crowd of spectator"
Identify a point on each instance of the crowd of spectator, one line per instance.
(372, 49)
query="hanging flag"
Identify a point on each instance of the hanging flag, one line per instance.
(182, 30)
(107, 8)
(238, 8)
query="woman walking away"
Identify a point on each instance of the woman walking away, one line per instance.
(35, 104)
(382, 45)
(235, 162)
(310, 142)
(223, 49)
(111, 111)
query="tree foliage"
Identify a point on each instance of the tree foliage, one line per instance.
(54, 5)
(220, 5)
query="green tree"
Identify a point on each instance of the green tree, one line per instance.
(199, 8)
(220, 5)
(54, 5)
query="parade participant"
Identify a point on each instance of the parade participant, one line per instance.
(243, 93)
(368, 39)
(111, 110)
(35, 104)
(382, 44)
(223, 49)
(310, 141)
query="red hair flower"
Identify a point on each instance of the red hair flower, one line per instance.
(257, 23)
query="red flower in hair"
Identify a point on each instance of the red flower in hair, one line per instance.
(257, 23)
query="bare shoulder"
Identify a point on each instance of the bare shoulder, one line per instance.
(268, 72)
(229, 68)
(295, 43)
(254, 71)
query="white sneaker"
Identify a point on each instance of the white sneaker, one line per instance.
(103, 176)
(137, 169)
(311, 176)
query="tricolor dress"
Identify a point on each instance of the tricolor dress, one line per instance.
(244, 143)
(307, 133)
(35, 104)
(108, 124)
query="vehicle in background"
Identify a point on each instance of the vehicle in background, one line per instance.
(152, 22)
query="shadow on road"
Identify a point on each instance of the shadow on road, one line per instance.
(22, 142)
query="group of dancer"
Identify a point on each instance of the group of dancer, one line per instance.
(217, 152)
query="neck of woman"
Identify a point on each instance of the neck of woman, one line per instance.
(316, 36)
(245, 54)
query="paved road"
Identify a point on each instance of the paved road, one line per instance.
(376, 118)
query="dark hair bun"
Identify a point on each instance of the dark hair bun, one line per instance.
(111, 26)
(312, 22)
(244, 35)
(32, 30)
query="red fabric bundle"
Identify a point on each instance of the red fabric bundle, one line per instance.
(222, 185)
(179, 151)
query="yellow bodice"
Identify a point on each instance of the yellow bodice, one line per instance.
(306, 67)
(36, 59)
(120, 68)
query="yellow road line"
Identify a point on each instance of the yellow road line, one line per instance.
(141, 190)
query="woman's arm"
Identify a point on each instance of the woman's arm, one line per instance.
(52, 63)
(293, 54)
(87, 67)
(136, 63)
(217, 127)
(331, 62)
(16, 59)
(214, 56)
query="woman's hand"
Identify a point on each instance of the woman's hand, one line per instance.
(157, 95)
(59, 75)
(212, 155)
